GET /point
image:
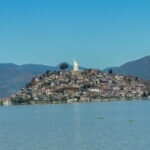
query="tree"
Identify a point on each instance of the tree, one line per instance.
(125, 78)
(63, 66)
(33, 80)
(144, 95)
(129, 81)
(89, 70)
(110, 71)
(47, 72)
(41, 78)
(64, 99)
(136, 78)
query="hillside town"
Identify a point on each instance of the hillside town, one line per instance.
(79, 86)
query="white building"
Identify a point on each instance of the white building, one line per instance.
(76, 66)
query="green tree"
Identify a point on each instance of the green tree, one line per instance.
(136, 78)
(144, 95)
(129, 81)
(110, 71)
(47, 72)
(63, 66)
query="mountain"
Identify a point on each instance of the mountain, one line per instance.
(107, 69)
(13, 77)
(138, 68)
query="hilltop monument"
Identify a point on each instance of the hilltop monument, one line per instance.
(76, 66)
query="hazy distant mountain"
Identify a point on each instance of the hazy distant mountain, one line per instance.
(138, 68)
(13, 77)
(107, 69)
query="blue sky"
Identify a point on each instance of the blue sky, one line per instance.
(97, 33)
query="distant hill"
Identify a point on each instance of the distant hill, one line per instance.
(138, 68)
(13, 77)
(107, 69)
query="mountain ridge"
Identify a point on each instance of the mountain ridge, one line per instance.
(13, 77)
(139, 68)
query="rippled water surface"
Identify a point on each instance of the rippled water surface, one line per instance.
(87, 126)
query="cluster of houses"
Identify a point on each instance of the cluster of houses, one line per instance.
(85, 85)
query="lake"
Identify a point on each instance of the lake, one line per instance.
(121, 125)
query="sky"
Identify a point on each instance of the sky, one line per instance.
(96, 33)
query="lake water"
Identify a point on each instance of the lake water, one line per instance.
(86, 126)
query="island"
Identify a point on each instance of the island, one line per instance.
(88, 85)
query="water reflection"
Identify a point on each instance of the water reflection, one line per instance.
(75, 127)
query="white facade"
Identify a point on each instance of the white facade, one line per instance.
(76, 66)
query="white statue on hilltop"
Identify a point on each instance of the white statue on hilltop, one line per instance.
(76, 66)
